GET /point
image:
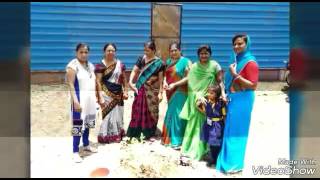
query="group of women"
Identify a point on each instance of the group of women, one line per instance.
(184, 83)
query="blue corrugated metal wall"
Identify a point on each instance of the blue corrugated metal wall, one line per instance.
(267, 23)
(56, 28)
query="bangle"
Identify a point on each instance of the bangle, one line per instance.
(237, 77)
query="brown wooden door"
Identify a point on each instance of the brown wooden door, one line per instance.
(166, 26)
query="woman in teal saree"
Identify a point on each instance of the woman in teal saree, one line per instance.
(175, 85)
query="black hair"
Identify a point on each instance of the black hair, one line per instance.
(81, 45)
(151, 45)
(176, 44)
(239, 36)
(106, 46)
(204, 47)
(216, 88)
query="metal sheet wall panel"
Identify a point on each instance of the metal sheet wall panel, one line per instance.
(56, 28)
(267, 23)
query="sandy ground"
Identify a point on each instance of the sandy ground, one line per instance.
(51, 142)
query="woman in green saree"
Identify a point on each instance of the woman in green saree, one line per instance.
(201, 75)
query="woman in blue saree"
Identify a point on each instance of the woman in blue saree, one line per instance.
(241, 81)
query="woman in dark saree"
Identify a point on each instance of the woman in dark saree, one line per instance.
(148, 94)
(112, 89)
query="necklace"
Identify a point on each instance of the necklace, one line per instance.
(86, 68)
(148, 60)
(174, 61)
(108, 64)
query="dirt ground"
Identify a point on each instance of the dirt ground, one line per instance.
(51, 142)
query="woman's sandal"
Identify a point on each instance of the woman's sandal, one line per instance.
(177, 148)
(184, 161)
(234, 172)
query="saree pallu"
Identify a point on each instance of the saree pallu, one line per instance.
(145, 107)
(231, 157)
(173, 126)
(111, 129)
